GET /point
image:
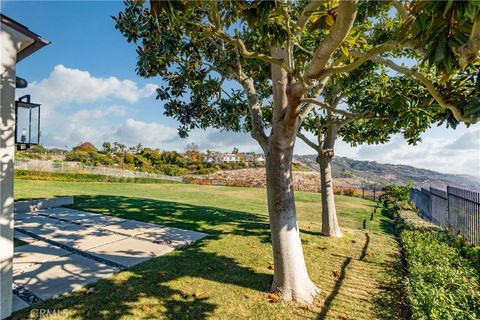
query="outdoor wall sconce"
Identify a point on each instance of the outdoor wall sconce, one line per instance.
(27, 123)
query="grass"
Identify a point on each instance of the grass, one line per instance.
(227, 275)
(18, 242)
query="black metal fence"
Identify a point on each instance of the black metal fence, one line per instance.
(456, 209)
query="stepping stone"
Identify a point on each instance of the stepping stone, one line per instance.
(22, 236)
(23, 215)
(50, 228)
(64, 274)
(35, 253)
(18, 304)
(82, 239)
(84, 218)
(34, 220)
(130, 251)
(132, 228)
(174, 237)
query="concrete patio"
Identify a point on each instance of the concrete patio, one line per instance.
(67, 249)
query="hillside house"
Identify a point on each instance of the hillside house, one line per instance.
(230, 158)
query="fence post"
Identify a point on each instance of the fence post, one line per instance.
(363, 193)
(374, 193)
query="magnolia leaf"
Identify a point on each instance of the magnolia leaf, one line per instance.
(330, 21)
(273, 297)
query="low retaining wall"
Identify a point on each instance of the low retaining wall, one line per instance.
(37, 204)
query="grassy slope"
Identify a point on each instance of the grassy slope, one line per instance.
(226, 276)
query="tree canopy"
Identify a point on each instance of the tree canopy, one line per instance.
(253, 65)
(197, 47)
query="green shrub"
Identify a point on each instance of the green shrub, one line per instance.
(396, 198)
(80, 156)
(443, 280)
(81, 177)
(172, 170)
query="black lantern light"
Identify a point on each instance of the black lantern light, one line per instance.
(27, 123)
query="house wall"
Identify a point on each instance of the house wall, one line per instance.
(11, 41)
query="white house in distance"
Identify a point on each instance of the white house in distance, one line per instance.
(17, 43)
(215, 157)
(230, 158)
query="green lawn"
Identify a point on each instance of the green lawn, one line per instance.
(227, 275)
(18, 242)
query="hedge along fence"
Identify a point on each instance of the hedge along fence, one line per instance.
(81, 177)
(443, 271)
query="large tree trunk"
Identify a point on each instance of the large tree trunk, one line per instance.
(330, 227)
(291, 280)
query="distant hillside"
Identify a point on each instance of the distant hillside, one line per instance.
(371, 172)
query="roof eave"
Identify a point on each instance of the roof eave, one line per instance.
(38, 43)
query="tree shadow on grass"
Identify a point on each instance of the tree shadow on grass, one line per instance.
(391, 301)
(212, 220)
(340, 278)
(146, 290)
(151, 282)
(336, 289)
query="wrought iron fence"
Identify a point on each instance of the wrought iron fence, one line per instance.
(456, 209)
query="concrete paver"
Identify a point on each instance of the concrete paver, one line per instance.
(173, 236)
(48, 270)
(18, 304)
(35, 253)
(84, 239)
(132, 228)
(64, 274)
(84, 218)
(129, 252)
(22, 236)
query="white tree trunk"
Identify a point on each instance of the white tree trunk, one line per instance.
(291, 280)
(330, 225)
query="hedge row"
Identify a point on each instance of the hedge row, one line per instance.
(443, 279)
(80, 177)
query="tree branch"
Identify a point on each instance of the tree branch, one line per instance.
(359, 116)
(316, 92)
(347, 12)
(365, 56)
(254, 107)
(216, 30)
(427, 84)
(307, 141)
(306, 14)
(470, 51)
(238, 43)
(328, 107)
(401, 8)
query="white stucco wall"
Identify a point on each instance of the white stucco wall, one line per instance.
(11, 42)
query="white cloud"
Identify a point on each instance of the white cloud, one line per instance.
(151, 134)
(433, 153)
(66, 85)
(129, 132)
(88, 114)
(468, 141)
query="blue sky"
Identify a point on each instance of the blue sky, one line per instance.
(87, 85)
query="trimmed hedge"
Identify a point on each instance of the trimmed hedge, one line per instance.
(81, 177)
(442, 281)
